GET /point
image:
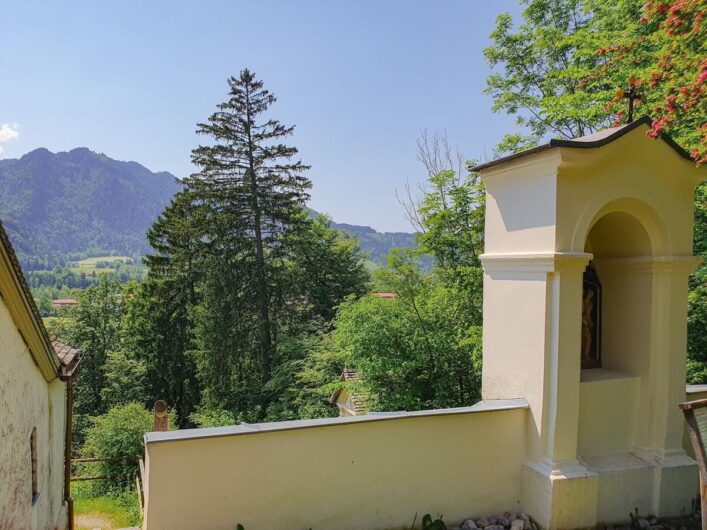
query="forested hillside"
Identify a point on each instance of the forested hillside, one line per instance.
(60, 207)
(377, 245)
(57, 205)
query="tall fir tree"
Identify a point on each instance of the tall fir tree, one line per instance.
(248, 177)
(239, 271)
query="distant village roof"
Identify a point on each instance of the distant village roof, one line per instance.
(349, 374)
(385, 295)
(61, 302)
(589, 141)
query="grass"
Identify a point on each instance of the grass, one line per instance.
(51, 321)
(88, 270)
(107, 512)
(90, 265)
(92, 262)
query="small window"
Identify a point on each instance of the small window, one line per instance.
(33, 454)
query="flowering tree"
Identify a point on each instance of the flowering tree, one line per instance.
(661, 59)
(568, 68)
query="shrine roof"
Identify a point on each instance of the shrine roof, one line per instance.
(589, 141)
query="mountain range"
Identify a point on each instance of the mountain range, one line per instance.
(57, 206)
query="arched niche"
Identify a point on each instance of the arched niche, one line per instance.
(637, 204)
(621, 239)
(618, 235)
(622, 249)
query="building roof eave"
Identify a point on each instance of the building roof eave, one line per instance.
(18, 299)
(591, 141)
(69, 358)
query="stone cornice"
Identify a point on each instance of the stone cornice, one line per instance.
(652, 264)
(535, 262)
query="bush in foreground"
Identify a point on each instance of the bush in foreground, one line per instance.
(119, 433)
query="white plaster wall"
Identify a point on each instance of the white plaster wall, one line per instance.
(27, 401)
(459, 465)
(520, 209)
(626, 319)
(514, 346)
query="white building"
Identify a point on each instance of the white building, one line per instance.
(35, 392)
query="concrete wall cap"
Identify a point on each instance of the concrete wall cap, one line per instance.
(492, 405)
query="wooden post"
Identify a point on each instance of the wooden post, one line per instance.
(696, 417)
(160, 414)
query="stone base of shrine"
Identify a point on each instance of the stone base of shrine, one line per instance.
(607, 489)
(559, 495)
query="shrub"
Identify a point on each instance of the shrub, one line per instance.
(205, 417)
(697, 323)
(116, 434)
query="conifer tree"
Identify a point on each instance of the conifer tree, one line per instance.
(240, 271)
(252, 185)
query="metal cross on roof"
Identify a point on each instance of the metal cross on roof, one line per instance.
(631, 94)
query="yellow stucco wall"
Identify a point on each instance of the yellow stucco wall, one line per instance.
(27, 401)
(352, 474)
(600, 391)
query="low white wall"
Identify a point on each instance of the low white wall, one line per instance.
(373, 471)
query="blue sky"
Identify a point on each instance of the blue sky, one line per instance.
(359, 79)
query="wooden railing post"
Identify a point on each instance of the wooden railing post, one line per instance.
(696, 417)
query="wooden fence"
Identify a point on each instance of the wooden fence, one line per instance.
(103, 459)
(139, 477)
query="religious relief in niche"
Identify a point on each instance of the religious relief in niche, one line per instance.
(591, 319)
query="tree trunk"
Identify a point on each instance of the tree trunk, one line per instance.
(262, 293)
(265, 339)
